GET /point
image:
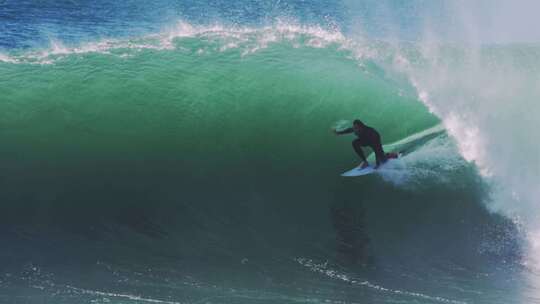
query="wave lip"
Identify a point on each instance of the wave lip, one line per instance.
(248, 39)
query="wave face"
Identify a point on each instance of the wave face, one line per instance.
(196, 163)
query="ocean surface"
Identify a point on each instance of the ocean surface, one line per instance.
(181, 152)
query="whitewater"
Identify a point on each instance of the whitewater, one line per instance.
(183, 153)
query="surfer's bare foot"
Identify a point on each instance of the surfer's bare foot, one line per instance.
(364, 165)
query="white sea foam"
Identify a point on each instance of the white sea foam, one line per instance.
(486, 101)
(430, 163)
(120, 296)
(7, 59)
(248, 39)
(324, 269)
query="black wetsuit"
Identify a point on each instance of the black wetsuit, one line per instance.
(367, 137)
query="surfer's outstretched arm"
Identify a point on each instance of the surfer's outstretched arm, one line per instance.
(346, 131)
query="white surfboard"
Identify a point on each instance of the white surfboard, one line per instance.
(359, 171)
(369, 169)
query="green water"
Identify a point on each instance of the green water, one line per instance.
(199, 172)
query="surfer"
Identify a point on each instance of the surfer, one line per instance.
(367, 137)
